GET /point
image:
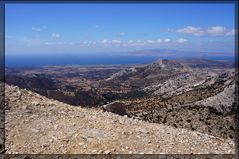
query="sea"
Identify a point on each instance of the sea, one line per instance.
(13, 61)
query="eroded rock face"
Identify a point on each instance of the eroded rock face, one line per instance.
(115, 107)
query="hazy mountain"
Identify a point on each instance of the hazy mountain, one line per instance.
(177, 53)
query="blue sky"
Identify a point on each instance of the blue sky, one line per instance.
(96, 28)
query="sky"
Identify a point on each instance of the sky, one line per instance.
(96, 28)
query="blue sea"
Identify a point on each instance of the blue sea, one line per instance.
(46, 60)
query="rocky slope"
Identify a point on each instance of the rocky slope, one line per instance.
(146, 75)
(209, 107)
(36, 124)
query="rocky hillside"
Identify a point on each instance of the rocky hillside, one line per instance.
(207, 107)
(36, 124)
(143, 76)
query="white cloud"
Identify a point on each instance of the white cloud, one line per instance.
(219, 31)
(116, 41)
(232, 32)
(216, 30)
(55, 35)
(167, 40)
(104, 41)
(197, 31)
(159, 41)
(138, 41)
(130, 41)
(121, 33)
(181, 40)
(36, 29)
(150, 41)
(211, 31)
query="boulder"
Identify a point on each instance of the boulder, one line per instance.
(115, 107)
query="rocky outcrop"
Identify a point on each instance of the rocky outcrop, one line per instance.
(115, 107)
(222, 102)
(146, 75)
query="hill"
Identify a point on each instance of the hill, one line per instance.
(36, 124)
